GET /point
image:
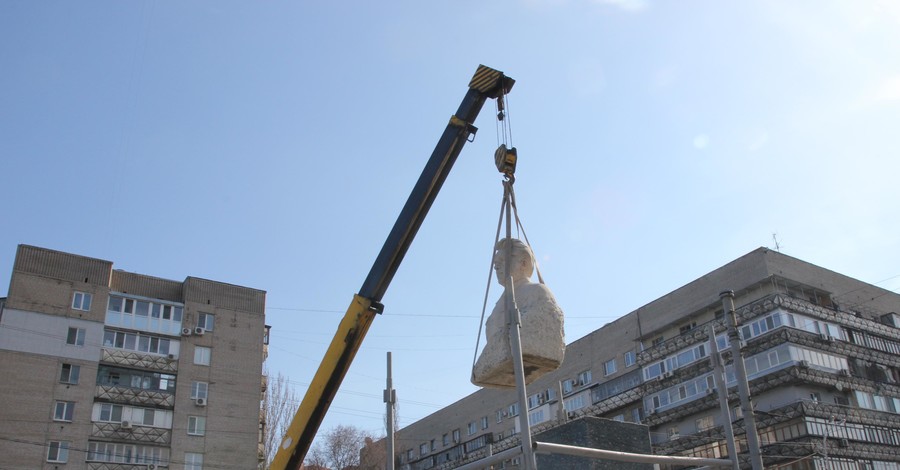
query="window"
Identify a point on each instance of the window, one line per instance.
(144, 315)
(499, 416)
(68, 373)
(673, 432)
(536, 417)
(63, 411)
(206, 321)
(629, 359)
(137, 342)
(484, 422)
(433, 445)
(471, 428)
(144, 380)
(58, 451)
(704, 423)
(535, 400)
(144, 416)
(110, 413)
(513, 410)
(456, 435)
(199, 390)
(445, 439)
(584, 378)
(636, 415)
(574, 403)
(75, 336)
(193, 461)
(127, 454)
(423, 449)
(202, 355)
(409, 455)
(688, 327)
(81, 301)
(609, 367)
(657, 341)
(196, 425)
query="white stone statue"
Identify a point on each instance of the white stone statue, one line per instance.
(542, 335)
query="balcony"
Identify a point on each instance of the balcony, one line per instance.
(120, 466)
(136, 359)
(134, 433)
(134, 396)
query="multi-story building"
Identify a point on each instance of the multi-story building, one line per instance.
(822, 355)
(104, 369)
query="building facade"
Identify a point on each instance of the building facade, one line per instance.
(109, 370)
(821, 350)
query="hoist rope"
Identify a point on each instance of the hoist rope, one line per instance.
(490, 275)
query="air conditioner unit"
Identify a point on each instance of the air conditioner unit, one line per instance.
(667, 374)
(804, 364)
(186, 332)
(171, 357)
(199, 331)
(151, 467)
(844, 372)
(823, 336)
(200, 401)
(843, 442)
(125, 425)
(710, 391)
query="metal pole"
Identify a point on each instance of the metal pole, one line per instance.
(390, 398)
(514, 322)
(550, 448)
(722, 389)
(740, 373)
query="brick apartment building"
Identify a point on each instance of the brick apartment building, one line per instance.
(822, 352)
(109, 370)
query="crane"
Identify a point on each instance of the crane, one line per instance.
(486, 83)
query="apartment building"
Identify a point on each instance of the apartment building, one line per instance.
(821, 350)
(110, 370)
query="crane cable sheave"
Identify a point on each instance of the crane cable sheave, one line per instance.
(505, 159)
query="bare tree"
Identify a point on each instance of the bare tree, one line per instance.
(279, 406)
(338, 448)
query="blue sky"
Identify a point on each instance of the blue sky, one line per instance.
(272, 145)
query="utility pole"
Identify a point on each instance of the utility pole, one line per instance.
(722, 389)
(514, 325)
(740, 373)
(390, 398)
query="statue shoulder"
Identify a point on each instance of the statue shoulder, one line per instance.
(535, 292)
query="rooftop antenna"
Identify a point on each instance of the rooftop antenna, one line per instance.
(775, 239)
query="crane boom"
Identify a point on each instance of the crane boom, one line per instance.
(486, 83)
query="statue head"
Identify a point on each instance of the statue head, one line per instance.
(521, 264)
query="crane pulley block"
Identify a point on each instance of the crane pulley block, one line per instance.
(506, 158)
